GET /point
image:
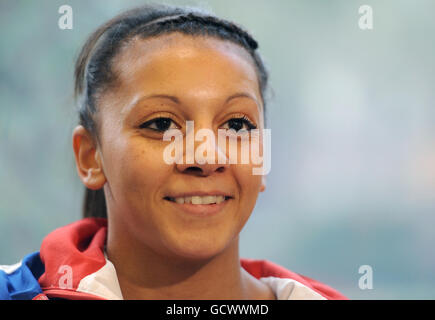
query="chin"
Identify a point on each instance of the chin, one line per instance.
(198, 256)
(204, 250)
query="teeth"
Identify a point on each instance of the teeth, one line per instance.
(220, 199)
(199, 199)
(208, 199)
(196, 200)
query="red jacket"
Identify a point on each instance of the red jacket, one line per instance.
(73, 265)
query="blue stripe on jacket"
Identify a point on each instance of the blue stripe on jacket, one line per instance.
(22, 283)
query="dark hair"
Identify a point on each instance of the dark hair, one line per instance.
(93, 69)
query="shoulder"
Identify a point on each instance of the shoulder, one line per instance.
(287, 284)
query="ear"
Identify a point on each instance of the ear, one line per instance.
(263, 183)
(88, 159)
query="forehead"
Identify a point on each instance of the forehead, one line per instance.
(178, 62)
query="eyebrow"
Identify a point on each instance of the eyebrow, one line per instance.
(242, 94)
(177, 101)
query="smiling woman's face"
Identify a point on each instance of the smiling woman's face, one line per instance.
(181, 78)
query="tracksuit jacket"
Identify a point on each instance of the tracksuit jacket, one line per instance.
(72, 264)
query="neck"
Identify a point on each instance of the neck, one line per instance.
(145, 274)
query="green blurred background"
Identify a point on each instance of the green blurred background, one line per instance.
(353, 135)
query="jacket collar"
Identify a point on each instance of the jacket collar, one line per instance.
(76, 268)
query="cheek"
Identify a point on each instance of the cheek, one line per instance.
(136, 168)
(250, 183)
(249, 187)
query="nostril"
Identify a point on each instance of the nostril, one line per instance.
(197, 171)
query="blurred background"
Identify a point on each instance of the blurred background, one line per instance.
(353, 135)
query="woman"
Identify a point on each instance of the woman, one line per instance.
(154, 230)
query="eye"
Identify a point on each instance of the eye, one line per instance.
(240, 123)
(160, 124)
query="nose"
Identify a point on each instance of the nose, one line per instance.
(201, 169)
(204, 165)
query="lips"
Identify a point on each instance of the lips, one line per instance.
(199, 197)
(199, 203)
(199, 200)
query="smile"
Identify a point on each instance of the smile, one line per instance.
(198, 200)
(205, 205)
